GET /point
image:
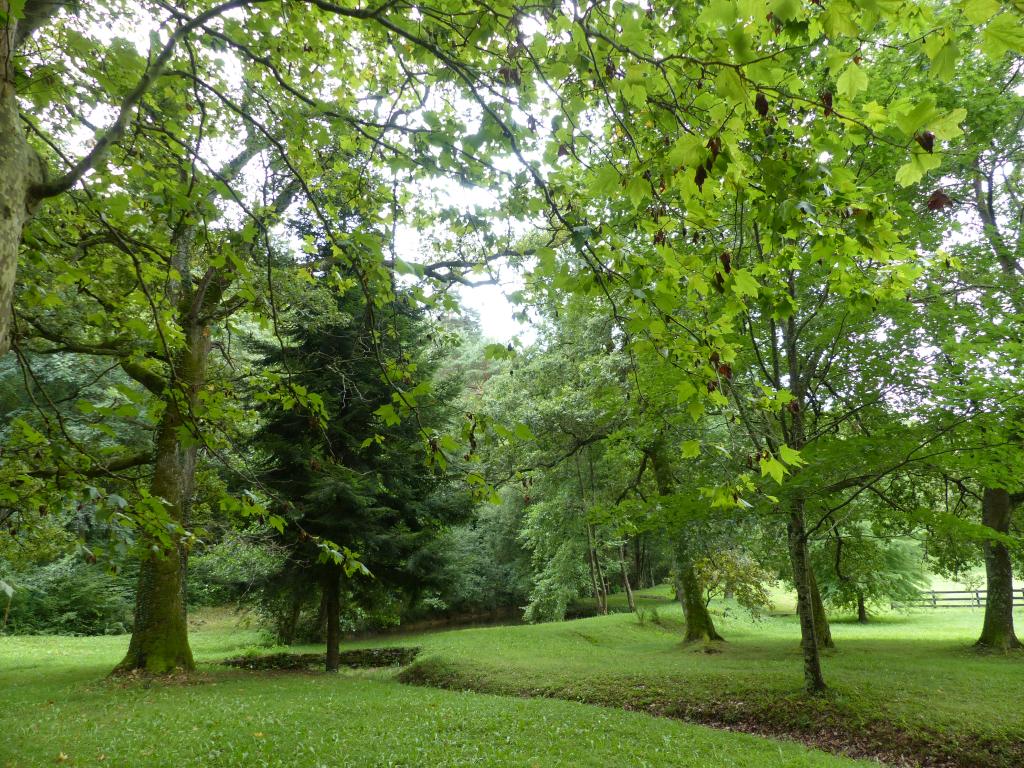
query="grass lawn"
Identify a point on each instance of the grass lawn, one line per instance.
(904, 684)
(59, 709)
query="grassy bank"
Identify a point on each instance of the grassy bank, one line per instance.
(59, 709)
(905, 686)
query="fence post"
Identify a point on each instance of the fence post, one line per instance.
(977, 597)
(934, 602)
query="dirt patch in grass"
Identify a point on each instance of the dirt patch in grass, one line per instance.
(360, 658)
(827, 722)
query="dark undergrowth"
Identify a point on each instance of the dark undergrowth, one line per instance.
(359, 658)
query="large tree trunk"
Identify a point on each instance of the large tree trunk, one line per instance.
(20, 169)
(159, 641)
(814, 682)
(822, 631)
(332, 606)
(997, 632)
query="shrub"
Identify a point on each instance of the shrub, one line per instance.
(68, 597)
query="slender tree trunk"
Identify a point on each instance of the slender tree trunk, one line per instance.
(640, 562)
(602, 582)
(623, 563)
(997, 632)
(822, 631)
(321, 619)
(596, 579)
(862, 609)
(332, 605)
(814, 682)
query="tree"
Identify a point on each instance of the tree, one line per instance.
(359, 476)
(857, 567)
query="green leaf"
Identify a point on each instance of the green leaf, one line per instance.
(914, 170)
(945, 60)
(639, 189)
(387, 412)
(606, 180)
(691, 449)
(912, 116)
(979, 11)
(730, 85)
(948, 126)
(523, 432)
(403, 267)
(786, 10)
(744, 283)
(790, 456)
(772, 466)
(719, 13)
(854, 80)
(1004, 33)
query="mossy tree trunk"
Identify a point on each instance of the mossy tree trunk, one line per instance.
(690, 593)
(997, 632)
(689, 589)
(159, 641)
(22, 170)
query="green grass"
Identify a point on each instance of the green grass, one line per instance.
(902, 682)
(59, 708)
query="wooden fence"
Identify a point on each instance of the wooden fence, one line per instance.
(959, 598)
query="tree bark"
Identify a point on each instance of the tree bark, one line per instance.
(996, 508)
(822, 631)
(20, 169)
(997, 632)
(689, 590)
(291, 623)
(595, 580)
(814, 682)
(624, 564)
(699, 625)
(862, 609)
(332, 605)
(159, 641)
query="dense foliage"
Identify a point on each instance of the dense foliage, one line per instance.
(770, 255)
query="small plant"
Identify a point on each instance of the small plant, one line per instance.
(647, 615)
